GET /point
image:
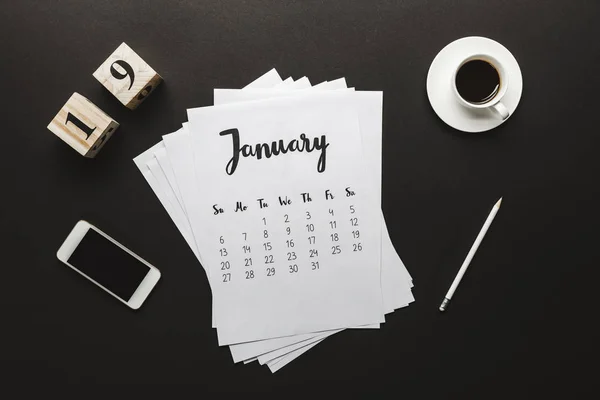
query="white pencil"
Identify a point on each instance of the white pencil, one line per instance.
(467, 261)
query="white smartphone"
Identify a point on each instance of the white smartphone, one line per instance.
(108, 264)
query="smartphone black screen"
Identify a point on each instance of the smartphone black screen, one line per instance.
(108, 264)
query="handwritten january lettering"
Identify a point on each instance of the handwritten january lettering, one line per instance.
(274, 149)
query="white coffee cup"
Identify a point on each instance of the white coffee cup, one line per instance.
(494, 103)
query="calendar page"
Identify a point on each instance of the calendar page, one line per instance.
(183, 151)
(291, 231)
(170, 170)
(395, 279)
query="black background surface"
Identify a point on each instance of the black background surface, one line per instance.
(522, 323)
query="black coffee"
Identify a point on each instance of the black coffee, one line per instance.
(477, 81)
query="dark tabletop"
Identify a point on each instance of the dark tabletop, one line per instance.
(522, 322)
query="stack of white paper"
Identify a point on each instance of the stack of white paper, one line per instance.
(277, 190)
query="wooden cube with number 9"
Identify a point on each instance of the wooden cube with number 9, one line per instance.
(127, 76)
(83, 126)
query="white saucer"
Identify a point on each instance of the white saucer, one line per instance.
(442, 97)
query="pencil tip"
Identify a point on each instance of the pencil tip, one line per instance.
(444, 304)
(499, 202)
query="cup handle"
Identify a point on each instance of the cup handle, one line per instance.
(501, 110)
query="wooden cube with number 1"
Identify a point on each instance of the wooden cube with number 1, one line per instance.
(83, 126)
(127, 76)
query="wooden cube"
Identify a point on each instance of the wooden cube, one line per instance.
(83, 126)
(127, 76)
